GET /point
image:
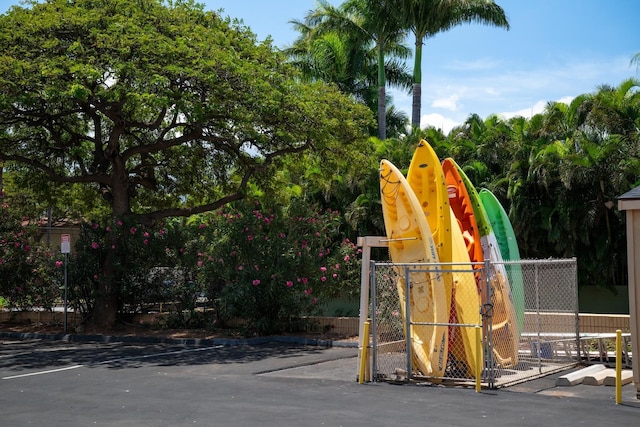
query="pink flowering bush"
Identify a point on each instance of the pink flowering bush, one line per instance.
(270, 266)
(30, 273)
(267, 266)
(147, 265)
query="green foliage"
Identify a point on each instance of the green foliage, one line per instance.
(347, 45)
(162, 108)
(30, 274)
(273, 265)
(149, 265)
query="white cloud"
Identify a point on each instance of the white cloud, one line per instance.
(528, 112)
(566, 99)
(448, 103)
(445, 124)
(518, 89)
(536, 108)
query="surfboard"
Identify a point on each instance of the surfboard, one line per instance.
(466, 302)
(410, 240)
(497, 300)
(503, 229)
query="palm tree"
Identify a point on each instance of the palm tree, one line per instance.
(636, 60)
(426, 18)
(364, 22)
(322, 52)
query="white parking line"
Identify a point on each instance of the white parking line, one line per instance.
(52, 371)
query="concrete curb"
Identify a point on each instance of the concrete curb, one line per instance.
(192, 342)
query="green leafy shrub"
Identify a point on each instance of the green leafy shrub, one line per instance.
(270, 266)
(30, 273)
(147, 264)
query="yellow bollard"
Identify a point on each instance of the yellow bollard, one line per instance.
(478, 358)
(364, 353)
(618, 367)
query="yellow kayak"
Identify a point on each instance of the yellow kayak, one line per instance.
(411, 241)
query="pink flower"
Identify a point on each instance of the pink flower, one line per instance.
(308, 291)
(314, 301)
(346, 258)
(146, 234)
(201, 226)
(323, 269)
(94, 245)
(145, 241)
(199, 263)
(323, 278)
(337, 266)
(107, 229)
(161, 232)
(240, 268)
(289, 283)
(58, 263)
(335, 276)
(119, 223)
(133, 230)
(282, 235)
(256, 282)
(250, 237)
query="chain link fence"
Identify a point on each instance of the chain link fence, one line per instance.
(519, 318)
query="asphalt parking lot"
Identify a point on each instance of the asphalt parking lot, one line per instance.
(55, 383)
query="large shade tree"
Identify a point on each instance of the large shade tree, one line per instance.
(165, 109)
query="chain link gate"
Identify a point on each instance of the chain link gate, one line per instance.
(547, 338)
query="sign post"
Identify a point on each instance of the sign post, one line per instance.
(65, 248)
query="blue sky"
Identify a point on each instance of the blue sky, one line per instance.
(554, 51)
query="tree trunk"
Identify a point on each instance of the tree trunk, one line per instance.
(417, 85)
(382, 96)
(105, 309)
(415, 106)
(382, 113)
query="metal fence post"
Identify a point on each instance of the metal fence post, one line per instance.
(374, 322)
(576, 307)
(407, 316)
(538, 346)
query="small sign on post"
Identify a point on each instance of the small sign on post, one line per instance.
(65, 243)
(65, 248)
